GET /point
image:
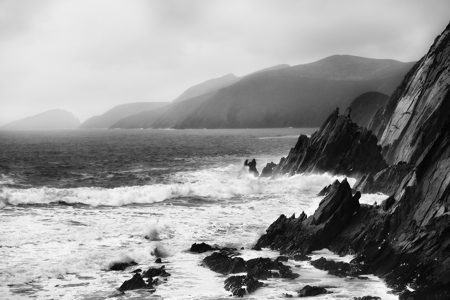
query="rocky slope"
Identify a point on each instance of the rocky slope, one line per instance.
(406, 239)
(207, 87)
(280, 96)
(119, 112)
(340, 146)
(52, 119)
(298, 96)
(365, 106)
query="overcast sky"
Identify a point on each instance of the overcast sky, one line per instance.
(88, 56)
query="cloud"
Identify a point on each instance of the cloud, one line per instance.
(87, 56)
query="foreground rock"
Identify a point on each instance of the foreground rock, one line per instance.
(310, 291)
(134, 283)
(242, 285)
(203, 247)
(302, 235)
(339, 147)
(120, 266)
(268, 169)
(337, 268)
(221, 262)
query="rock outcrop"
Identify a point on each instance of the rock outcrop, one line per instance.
(406, 240)
(340, 146)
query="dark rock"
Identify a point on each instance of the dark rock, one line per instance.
(268, 169)
(338, 147)
(242, 285)
(152, 272)
(387, 181)
(133, 284)
(337, 268)
(256, 248)
(303, 235)
(282, 258)
(252, 167)
(263, 268)
(301, 257)
(367, 298)
(158, 261)
(223, 263)
(120, 266)
(200, 248)
(326, 190)
(286, 295)
(387, 204)
(137, 271)
(310, 291)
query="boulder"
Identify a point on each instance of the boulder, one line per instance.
(310, 291)
(242, 285)
(136, 282)
(152, 272)
(337, 268)
(202, 247)
(223, 263)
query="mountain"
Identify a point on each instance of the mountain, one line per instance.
(119, 112)
(52, 119)
(406, 238)
(207, 86)
(298, 96)
(364, 107)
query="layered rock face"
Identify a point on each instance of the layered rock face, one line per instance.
(339, 147)
(419, 108)
(406, 240)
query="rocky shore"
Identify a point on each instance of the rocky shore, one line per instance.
(405, 155)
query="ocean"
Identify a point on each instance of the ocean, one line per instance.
(74, 201)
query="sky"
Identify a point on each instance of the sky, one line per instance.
(87, 56)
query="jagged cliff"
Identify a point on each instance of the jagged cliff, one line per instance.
(406, 239)
(340, 146)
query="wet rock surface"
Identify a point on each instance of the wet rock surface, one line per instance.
(311, 291)
(202, 247)
(242, 285)
(337, 268)
(252, 167)
(268, 169)
(223, 263)
(136, 282)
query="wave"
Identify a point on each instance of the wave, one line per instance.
(215, 184)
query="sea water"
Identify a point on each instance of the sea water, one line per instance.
(72, 202)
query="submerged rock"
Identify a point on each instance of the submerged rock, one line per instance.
(202, 247)
(242, 285)
(367, 298)
(310, 291)
(152, 272)
(120, 266)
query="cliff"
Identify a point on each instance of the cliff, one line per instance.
(406, 239)
(52, 119)
(340, 146)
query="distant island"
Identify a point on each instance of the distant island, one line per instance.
(51, 119)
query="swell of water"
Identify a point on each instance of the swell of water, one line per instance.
(59, 239)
